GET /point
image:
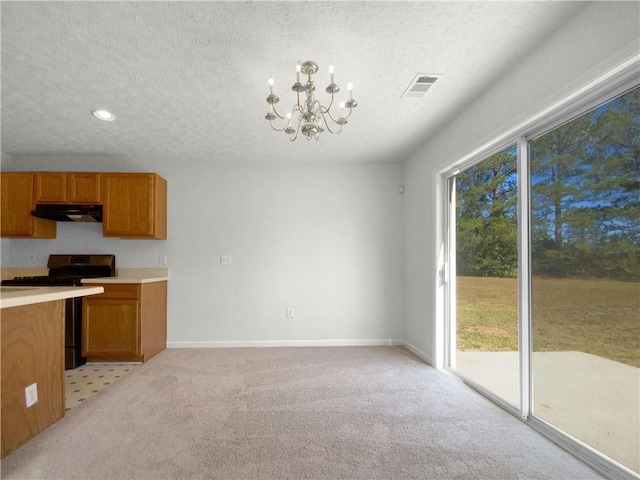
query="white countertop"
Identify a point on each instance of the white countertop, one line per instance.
(120, 279)
(18, 296)
(133, 275)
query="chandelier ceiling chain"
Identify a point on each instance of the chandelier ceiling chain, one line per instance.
(310, 117)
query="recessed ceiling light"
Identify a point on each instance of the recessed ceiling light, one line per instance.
(103, 115)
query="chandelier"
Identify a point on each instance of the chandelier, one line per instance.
(308, 116)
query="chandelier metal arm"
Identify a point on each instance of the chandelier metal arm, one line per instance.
(330, 103)
(276, 112)
(278, 129)
(328, 125)
(298, 100)
(326, 111)
(299, 110)
(296, 108)
(293, 138)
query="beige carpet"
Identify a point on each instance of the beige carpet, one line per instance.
(290, 413)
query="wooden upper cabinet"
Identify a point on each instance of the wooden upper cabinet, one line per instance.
(59, 187)
(17, 199)
(134, 205)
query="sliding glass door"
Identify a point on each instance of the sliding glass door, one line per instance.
(585, 213)
(485, 349)
(577, 369)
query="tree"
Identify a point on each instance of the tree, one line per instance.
(486, 217)
(556, 173)
(585, 179)
(585, 200)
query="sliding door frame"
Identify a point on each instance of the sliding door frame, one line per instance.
(610, 85)
(449, 279)
(525, 346)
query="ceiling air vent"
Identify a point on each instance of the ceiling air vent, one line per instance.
(419, 85)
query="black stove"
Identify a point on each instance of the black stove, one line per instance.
(45, 280)
(65, 270)
(69, 270)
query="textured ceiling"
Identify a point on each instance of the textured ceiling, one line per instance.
(187, 80)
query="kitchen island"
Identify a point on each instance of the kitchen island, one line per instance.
(32, 351)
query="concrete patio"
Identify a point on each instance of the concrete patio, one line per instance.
(594, 399)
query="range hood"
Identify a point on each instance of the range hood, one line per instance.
(68, 212)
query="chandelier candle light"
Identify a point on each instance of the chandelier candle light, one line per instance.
(308, 114)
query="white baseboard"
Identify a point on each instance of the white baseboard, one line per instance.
(416, 351)
(304, 343)
(286, 343)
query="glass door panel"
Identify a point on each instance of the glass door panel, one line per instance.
(484, 346)
(585, 261)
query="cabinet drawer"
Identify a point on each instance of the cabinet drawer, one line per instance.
(119, 290)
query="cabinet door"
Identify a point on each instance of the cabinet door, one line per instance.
(128, 205)
(83, 188)
(51, 187)
(16, 203)
(111, 328)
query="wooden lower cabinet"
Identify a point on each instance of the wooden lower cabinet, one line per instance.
(126, 323)
(32, 352)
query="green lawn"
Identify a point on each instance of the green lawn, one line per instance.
(601, 317)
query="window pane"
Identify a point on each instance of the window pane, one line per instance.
(486, 349)
(585, 214)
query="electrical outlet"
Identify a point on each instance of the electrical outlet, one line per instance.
(225, 259)
(289, 312)
(163, 260)
(31, 394)
(32, 259)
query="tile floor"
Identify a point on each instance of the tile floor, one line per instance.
(87, 380)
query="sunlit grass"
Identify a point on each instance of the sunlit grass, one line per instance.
(601, 317)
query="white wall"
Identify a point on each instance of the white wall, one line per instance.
(600, 37)
(324, 239)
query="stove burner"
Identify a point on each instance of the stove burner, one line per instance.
(45, 281)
